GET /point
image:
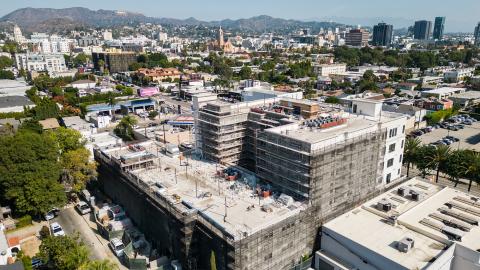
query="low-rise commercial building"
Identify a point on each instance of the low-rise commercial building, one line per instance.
(417, 225)
(442, 93)
(328, 69)
(458, 75)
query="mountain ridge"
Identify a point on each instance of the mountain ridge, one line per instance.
(37, 19)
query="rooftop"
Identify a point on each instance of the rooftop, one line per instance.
(14, 101)
(233, 206)
(370, 227)
(352, 126)
(444, 90)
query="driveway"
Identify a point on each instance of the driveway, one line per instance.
(72, 222)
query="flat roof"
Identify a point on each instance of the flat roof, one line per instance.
(232, 205)
(15, 101)
(468, 95)
(444, 90)
(366, 225)
(355, 125)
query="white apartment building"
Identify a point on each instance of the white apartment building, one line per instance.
(40, 62)
(328, 69)
(394, 125)
(458, 75)
(107, 35)
(51, 44)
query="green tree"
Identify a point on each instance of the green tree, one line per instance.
(5, 62)
(77, 169)
(457, 166)
(332, 100)
(67, 139)
(213, 261)
(124, 129)
(29, 172)
(245, 73)
(111, 101)
(424, 159)
(6, 75)
(99, 265)
(440, 158)
(410, 152)
(473, 168)
(46, 108)
(64, 252)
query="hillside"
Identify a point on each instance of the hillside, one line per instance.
(47, 19)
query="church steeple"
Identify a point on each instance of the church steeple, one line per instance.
(221, 41)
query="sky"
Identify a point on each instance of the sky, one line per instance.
(462, 15)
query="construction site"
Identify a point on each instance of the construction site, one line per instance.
(193, 209)
(267, 176)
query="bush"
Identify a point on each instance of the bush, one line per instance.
(24, 221)
(44, 232)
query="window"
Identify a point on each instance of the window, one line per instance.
(391, 148)
(354, 108)
(403, 129)
(389, 178)
(393, 132)
(401, 158)
(402, 144)
(390, 163)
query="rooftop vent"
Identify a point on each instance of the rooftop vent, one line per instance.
(384, 205)
(405, 244)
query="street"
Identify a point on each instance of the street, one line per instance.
(72, 222)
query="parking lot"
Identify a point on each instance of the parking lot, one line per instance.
(469, 137)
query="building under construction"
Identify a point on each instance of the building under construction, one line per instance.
(303, 169)
(194, 212)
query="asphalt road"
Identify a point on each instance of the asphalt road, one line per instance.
(72, 222)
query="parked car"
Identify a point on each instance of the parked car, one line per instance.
(51, 214)
(83, 208)
(56, 229)
(447, 142)
(451, 138)
(117, 246)
(454, 128)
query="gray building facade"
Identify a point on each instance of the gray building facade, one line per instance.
(439, 28)
(382, 34)
(422, 30)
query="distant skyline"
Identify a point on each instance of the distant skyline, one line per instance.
(462, 16)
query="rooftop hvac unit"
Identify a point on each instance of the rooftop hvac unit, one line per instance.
(405, 244)
(392, 220)
(401, 191)
(415, 195)
(384, 205)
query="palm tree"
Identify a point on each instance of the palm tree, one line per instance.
(111, 101)
(457, 165)
(410, 152)
(473, 169)
(440, 157)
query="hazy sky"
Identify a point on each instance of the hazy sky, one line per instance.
(462, 15)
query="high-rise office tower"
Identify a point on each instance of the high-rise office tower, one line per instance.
(357, 38)
(477, 35)
(438, 28)
(382, 34)
(422, 30)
